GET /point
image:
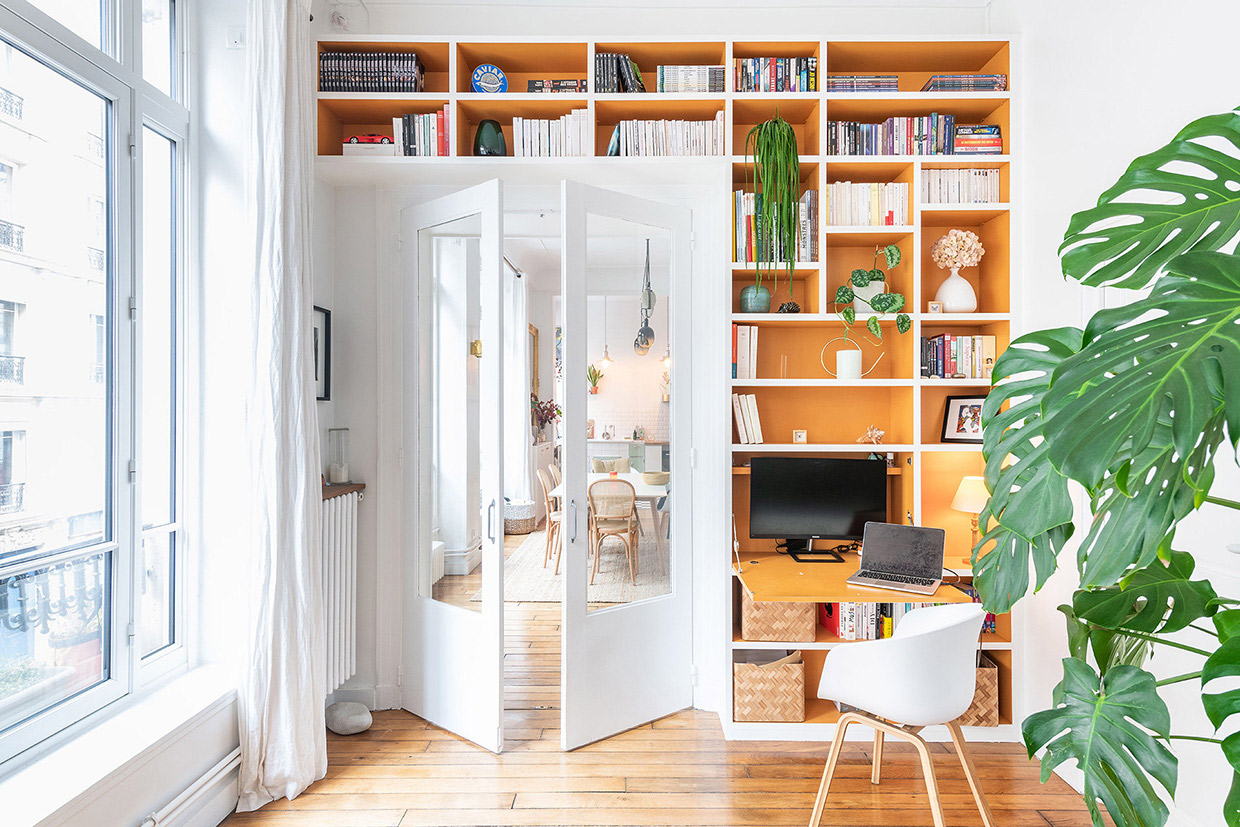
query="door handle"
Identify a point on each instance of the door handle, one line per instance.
(491, 521)
(572, 522)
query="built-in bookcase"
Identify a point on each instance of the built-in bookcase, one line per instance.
(793, 392)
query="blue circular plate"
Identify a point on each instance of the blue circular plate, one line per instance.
(489, 78)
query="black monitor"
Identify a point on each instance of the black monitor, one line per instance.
(802, 499)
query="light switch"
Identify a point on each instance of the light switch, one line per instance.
(236, 37)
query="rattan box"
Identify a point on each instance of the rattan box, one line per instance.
(768, 620)
(772, 692)
(984, 711)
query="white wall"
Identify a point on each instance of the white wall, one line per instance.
(628, 394)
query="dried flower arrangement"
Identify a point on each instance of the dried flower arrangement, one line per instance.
(959, 248)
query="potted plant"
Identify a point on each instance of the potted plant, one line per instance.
(860, 289)
(959, 248)
(593, 374)
(777, 223)
(544, 413)
(1136, 408)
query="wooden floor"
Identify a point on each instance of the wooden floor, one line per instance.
(676, 771)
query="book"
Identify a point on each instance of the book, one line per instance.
(867, 205)
(977, 139)
(752, 241)
(755, 423)
(356, 71)
(557, 85)
(966, 83)
(670, 138)
(743, 370)
(708, 79)
(753, 352)
(969, 357)
(734, 331)
(369, 150)
(751, 433)
(862, 83)
(775, 74)
(547, 138)
(922, 135)
(960, 186)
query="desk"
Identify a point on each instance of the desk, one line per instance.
(644, 491)
(777, 577)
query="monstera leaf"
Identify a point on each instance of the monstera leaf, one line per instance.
(1110, 648)
(1160, 598)
(1029, 502)
(1105, 724)
(1173, 356)
(1129, 236)
(1223, 703)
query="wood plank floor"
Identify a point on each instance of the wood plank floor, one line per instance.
(678, 770)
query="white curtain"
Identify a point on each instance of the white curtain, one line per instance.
(517, 418)
(283, 686)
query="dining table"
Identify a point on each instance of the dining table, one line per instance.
(642, 490)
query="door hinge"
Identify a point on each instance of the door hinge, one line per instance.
(400, 457)
(133, 146)
(132, 631)
(133, 308)
(693, 674)
(692, 241)
(133, 470)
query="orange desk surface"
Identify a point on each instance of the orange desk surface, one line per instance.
(777, 577)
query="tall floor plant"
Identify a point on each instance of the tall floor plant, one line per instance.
(1135, 409)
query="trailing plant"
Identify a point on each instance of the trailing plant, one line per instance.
(777, 221)
(593, 375)
(881, 303)
(1134, 408)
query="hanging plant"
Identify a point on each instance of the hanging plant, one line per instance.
(777, 221)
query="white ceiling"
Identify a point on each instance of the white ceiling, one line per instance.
(615, 252)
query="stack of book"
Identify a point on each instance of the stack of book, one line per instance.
(867, 205)
(960, 186)
(422, 135)
(370, 72)
(980, 139)
(744, 351)
(864, 621)
(862, 83)
(753, 242)
(925, 135)
(989, 624)
(616, 73)
(776, 74)
(568, 135)
(569, 85)
(745, 413)
(948, 356)
(691, 79)
(661, 138)
(966, 83)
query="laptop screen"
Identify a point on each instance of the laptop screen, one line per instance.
(903, 549)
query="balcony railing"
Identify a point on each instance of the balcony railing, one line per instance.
(94, 145)
(95, 258)
(11, 497)
(12, 370)
(10, 104)
(12, 236)
(98, 372)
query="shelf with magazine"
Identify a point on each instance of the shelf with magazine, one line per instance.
(703, 114)
(433, 57)
(965, 182)
(775, 68)
(872, 197)
(523, 62)
(470, 112)
(912, 64)
(917, 128)
(648, 57)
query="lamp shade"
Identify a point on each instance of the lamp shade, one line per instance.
(971, 496)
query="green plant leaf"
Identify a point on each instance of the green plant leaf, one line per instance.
(877, 275)
(1078, 632)
(1104, 724)
(1158, 599)
(887, 303)
(904, 323)
(1220, 706)
(1174, 356)
(1231, 806)
(892, 253)
(850, 314)
(1029, 505)
(1227, 623)
(873, 326)
(860, 278)
(1110, 649)
(1128, 236)
(844, 294)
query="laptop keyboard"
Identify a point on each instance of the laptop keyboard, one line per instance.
(897, 578)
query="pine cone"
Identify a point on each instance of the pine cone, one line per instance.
(789, 307)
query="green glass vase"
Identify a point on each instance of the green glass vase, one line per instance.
(755, 299)
(489, 139)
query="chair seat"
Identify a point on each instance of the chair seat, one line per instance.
(556, 515)
(618, 524)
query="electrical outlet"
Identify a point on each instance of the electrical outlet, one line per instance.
(236, 37)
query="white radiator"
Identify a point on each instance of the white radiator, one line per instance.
(340, 586)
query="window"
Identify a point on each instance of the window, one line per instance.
(157, 44)
(85, 18)
(98, 365)
(12, 364)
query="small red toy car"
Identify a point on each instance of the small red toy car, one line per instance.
(370, 138)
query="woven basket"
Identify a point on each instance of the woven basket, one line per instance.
(656, 477)
(984, 711)
(765, 620)
(772, 692)
(518, 517)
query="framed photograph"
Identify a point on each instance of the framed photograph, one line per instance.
(962, 419)
(934, 307)
(322, 354)
(800, 437)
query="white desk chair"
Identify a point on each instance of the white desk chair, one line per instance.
(923, 675)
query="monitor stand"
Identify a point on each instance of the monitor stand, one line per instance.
(803, 552)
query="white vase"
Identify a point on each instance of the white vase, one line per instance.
(956, 294)
(867, 293)
(847, 364)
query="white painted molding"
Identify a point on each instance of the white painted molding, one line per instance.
(206, 802)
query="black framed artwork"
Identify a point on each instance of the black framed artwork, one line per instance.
(962, 419)
(322, 354)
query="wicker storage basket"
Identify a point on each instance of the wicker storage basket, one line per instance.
(984, 711)
(518, 516)
(766, 620)
(771, 692)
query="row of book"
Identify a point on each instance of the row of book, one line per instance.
(667, 138)
(863, 83)
(568, 135)
(776, 74)
(982, 139)
(745, 413)
(422, 135)
(877, 621)
(563, 85)
(990, 624)
(744, 351)
(691, 79)
(616, 73)
(751, 241)
(966, 83)
(370, 72)
(948, 356)
(932, 134)
(867, 205)
(960, 186)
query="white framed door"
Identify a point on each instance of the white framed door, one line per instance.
(627, 646)
(453, 467)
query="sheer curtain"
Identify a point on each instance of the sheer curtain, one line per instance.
(517, 417)
(283, 741)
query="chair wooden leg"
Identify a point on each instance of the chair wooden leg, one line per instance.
(932, 784)
(841, 727)
(558, 548)
(876, 774)
(630, 552)
(547, 547)
(970, 773)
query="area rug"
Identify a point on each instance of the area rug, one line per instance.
(526, 581)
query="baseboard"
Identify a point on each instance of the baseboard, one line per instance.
(363, 695)
(459, 562)
(387, 696)
(207, 801)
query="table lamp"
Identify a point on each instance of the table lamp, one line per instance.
(971, 498)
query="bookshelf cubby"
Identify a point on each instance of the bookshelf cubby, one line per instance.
(835, 413)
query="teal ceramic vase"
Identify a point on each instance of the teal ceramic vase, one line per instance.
(755, 299)
(489, 139)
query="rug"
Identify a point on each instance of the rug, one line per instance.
(526, 581)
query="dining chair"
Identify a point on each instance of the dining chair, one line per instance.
(612, 514)
(923, 675)
(555, 521)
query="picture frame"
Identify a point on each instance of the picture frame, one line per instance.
(962, 419)
(322, 334)
(934, 307)
(800, 437)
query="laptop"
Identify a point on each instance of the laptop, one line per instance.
(906, 558)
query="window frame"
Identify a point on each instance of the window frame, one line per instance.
(115, 74)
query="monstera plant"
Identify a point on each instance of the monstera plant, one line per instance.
(1134, 408)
